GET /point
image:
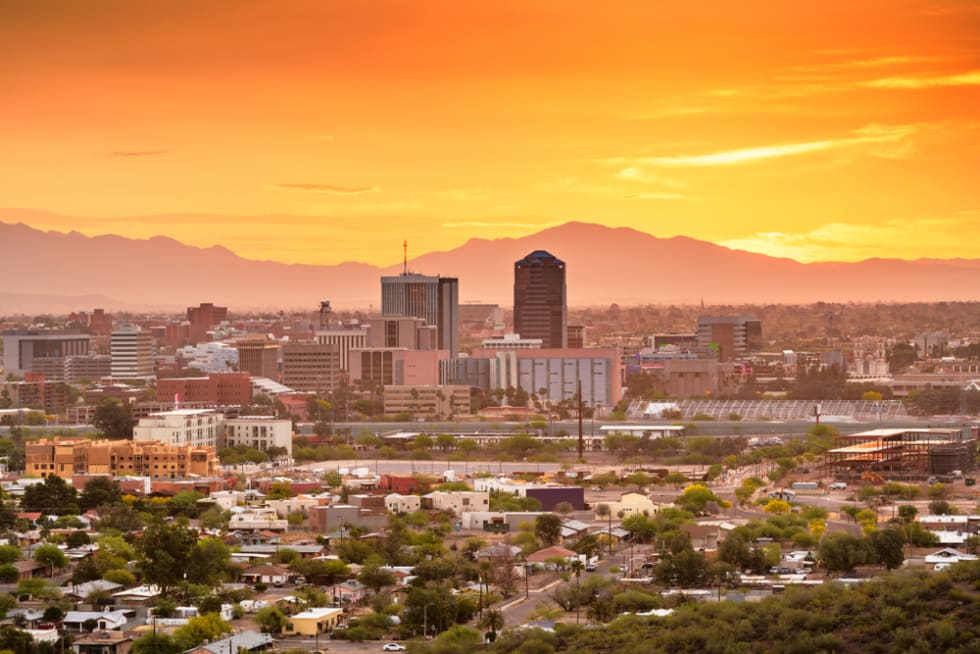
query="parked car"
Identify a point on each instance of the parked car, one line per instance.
(393, 647)
(838, 485)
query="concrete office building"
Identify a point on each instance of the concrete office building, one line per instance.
(434, 299)
(258, 357)
(540, 307)
(131, 349)
(432, 401)
(407, 332)
(731, 336)
(557, 373)
(346, 339)
(22, 348)
(512, 342)
(385, 366)
(311, 366)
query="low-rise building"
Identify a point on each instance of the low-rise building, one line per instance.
(197, 427)
(456, 502)
(314, 621)
(69, 457)
(258, 432)
(398, 503)
(427, 401)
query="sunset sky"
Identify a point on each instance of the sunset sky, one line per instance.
(321, 132)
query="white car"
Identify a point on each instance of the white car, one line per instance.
(393, 647)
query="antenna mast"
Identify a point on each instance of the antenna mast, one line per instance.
(405, 249)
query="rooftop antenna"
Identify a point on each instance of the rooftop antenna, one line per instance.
(405, 248)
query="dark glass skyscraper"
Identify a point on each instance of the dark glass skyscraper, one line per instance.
(540, 309)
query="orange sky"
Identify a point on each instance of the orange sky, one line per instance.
(329, 131)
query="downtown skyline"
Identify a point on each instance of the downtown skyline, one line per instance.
(330, 133)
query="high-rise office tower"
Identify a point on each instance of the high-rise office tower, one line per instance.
(540, 309)
(434, 299)
(132, 352)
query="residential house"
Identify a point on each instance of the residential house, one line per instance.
(103, 642)
(456, 502)
(314, 621)
(243, 642)
(266, 574)
(399, 504)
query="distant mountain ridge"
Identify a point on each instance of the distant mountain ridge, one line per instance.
(54, 271)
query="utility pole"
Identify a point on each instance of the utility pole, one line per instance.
(581, 440)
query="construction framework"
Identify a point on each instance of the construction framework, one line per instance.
(903, 453)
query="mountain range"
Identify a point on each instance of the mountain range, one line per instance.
(48, 271)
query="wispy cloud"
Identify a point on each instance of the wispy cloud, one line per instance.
(853, 242)
(866, 135)
(487, 223)
(137, 153)
(329, 189)
(971, 78)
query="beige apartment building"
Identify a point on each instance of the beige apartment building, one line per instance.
(69, 457)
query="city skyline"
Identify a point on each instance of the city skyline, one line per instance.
(839, 131)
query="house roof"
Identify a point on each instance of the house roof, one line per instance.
(550, 553)
(499, 549)
(266, 569)
(949, 555)
(89, 587)
(316, 614)
(247, 640)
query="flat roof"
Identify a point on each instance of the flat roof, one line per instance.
(642, 428)
(316, 614)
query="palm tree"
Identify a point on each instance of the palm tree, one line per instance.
(603, 510)
(492, 621)
(577, 567)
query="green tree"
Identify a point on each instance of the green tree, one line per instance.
(99, 491)
(10, 553)
(156, 643)
(209, 562)
(114, 419)
(887, 547)
(375, 577)
(201, 629)
(698, 499)
(271, 620)
(51, 557)
(163, 552)
(52, 496)
(841, 552)
(493, 621)
(547, 528)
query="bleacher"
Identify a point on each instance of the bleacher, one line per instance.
(871, 410)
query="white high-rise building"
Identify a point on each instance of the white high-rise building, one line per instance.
(132, 353)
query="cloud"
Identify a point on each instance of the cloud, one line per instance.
(137, 153)
(487, 223)
(840, 241)
(971, 78)
(330, 189)
(638, 174)
(866, 135)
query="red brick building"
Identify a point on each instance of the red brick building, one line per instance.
(219, 388)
